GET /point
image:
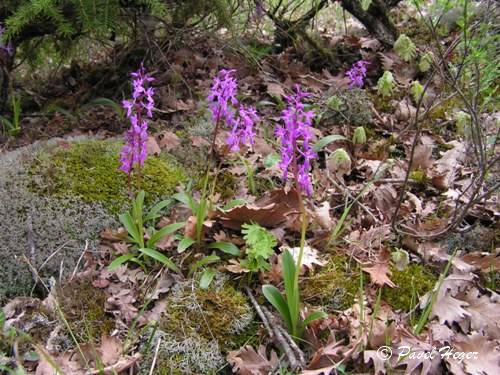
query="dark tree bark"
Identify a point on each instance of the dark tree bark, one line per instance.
(6, 63)
(375, 18)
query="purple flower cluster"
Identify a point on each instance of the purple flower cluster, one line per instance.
(223, 107)
(7, 47)
(357, 74)
(295, 138)
(139, 109)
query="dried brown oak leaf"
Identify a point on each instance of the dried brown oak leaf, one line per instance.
(410, 353)
(486, 262)
(270, 211)
(325, 359)
(447, 308)
(483, 359)
(310, 256)
(168, 140)
(247, 361)
(379, 272)
(484, 312)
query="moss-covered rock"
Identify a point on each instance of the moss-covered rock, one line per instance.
(412, 283)
(198, 327)
(90, 170)
(56, 197)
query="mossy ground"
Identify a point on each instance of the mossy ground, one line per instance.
(334, 286)
(90, 170)
(83, 307)
(412, 283)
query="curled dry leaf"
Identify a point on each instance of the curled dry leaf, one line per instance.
(272, 210)
(483, 312)
(248, 361)
(380, 272)
(415, 359)
(310, 256)
(483, 360)
(486, 262)
(168, 140)
(322, 215)
(152, 146)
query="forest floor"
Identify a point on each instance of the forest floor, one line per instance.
(403, 292)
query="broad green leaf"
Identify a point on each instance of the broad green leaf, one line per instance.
(137, 208)
(275, 298)
(166, 230)
(207, 277)
(325, 141)
(187, 200)
(185, 243)
(289, 270)
(200, 218)
(160, 257)
(153, 212)
(119, 261)
(271, 160)
(314, 316)
(234, 203)
(203, 262)
(227, 247)
(130, 226)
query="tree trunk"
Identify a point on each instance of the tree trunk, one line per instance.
(375, 18)
(6, 63)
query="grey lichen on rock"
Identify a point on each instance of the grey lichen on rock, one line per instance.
(192, 354)
(55, 198)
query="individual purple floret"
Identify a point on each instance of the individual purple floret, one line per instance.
(139, 109)
(7, 47)
(295, 138)
(357, 74)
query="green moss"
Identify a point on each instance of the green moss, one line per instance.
(250, 336)
(419, 176)
(415, 280)
(226, 184)
(334, 286)
(89, 170)
(216, 313)
(85, 314)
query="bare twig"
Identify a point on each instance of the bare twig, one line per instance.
(260, 312)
